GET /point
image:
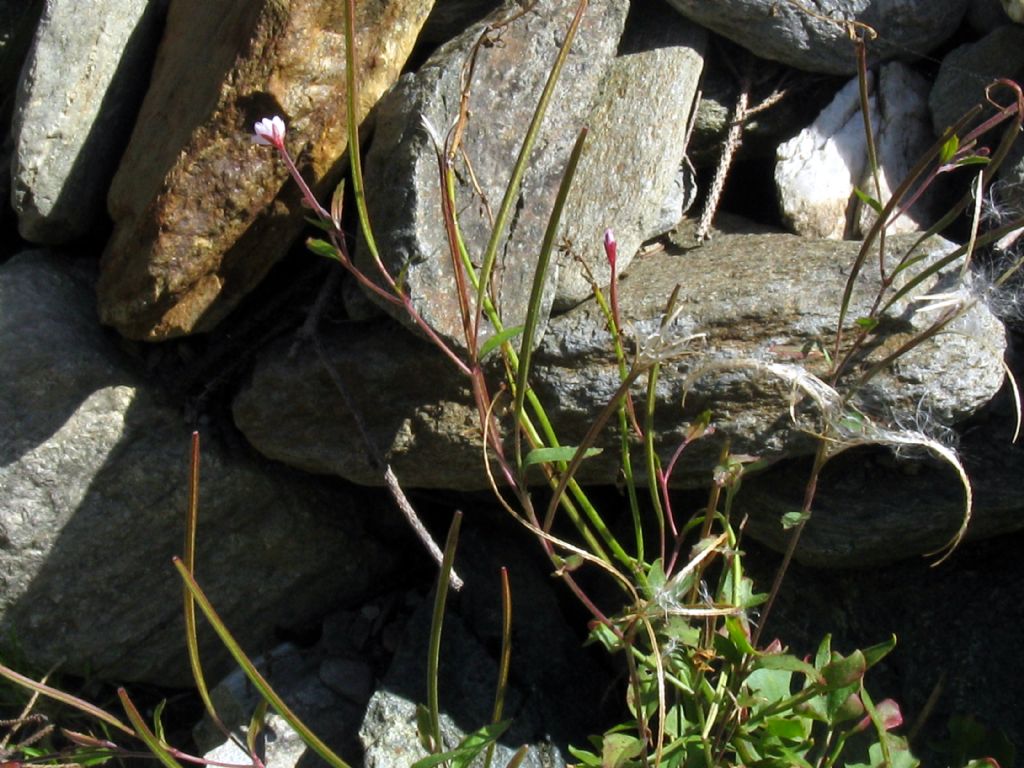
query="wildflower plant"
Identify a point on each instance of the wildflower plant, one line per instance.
(703, 688)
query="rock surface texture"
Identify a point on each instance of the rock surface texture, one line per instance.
(631, 176)
(969, 68)
(813, 35)
(93, 493)
(778, 294)
(79, 92)
(511, 67)
(200, 214)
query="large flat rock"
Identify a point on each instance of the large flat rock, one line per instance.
(759, 297)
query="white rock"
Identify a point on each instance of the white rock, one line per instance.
(903, 136)
(818, 168)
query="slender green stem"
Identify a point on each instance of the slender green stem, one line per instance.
(436, 625)
(540, 276)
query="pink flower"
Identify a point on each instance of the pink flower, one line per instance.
(270, 132)
(889, 714)
(611, 248)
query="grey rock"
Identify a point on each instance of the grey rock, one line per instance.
(967, 70)
(547, 662)
(913, 507)
(786, 32)
(508, 78)
(391, 739)
(80, 89)
(985, 15)
(351, 679)
(633, 157)
(758, 297)
(93, 472)
(761, 297)
(818, 169)
(294, 675)
(450, 17)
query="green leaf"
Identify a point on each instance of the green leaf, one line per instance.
(769, 686)
(567, 564)
(585, 758)
(738, 635)
(788, 662)
(840, 672)
(844, 704)
(868, 199)
(498, 339)
(319, 224)
(154, 745)
(876, 653)
(949, 149)
(866, 323)
(788, 728)
(468, 749)
(973, 160)
(424, 728)
(655, 579)
(258, 681)
(899, 753)
(853, 422)
(618, 749)
(793, 519)
(256, 723)
(158, 726)
(603, 634)
(321, 248)
(561, 453)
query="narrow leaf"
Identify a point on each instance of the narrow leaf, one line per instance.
(949, 149)
(258, 681)
(64, 698)
(321, 248)
(152, 742)
(561, 453)
(973, 160)
(793, 519)
(498, 339)
(867, 199)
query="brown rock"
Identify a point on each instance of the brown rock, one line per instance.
(200, 214)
